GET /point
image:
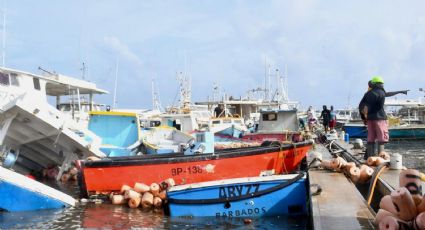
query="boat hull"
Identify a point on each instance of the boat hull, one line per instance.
(397, 132)
(20, 193)
(261, 196)
(110, 174)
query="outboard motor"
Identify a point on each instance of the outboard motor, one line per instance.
(8, 157)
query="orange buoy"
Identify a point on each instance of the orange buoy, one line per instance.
(389, 223)
(73, 171)
(421, 206)
(404, 201)
(381, 214)
(167, 183)
(335, 164)
(131, 194)
(65, 177)
(141, 188)
(419, 222)
(118, 199)
(384, 155)
(354, 174)
(417, 199)
(380, 161)
(157, 202)
(125, 188)
(365, 173)
(154, 189)
(387, 204)
(410, 178)
(326, 164)
(134, 202)
(163, 195)
(371, 161)
(349, 165)
(147, 200)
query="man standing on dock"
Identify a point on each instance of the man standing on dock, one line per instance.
(372, 109)
(326, 116)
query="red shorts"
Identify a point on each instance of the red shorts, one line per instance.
(332, 123)
(377, 130)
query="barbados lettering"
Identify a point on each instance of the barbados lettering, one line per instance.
(237, 190)
(242, 212)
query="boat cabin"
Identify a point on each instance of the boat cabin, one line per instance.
(278, 121)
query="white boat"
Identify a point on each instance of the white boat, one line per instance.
(35, 133)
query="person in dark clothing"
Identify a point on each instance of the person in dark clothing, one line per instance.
(371, 108)
(218, 111)
(326, 116)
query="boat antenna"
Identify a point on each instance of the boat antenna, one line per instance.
(83, 70)
(114, 103)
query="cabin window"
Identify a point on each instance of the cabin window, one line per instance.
(216, 122)
(36, 83)
(270, 117)
(14, 79)
(227, 121)
(4, 79)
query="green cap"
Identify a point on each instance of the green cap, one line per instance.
(377, 79)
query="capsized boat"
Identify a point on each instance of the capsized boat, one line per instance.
(20, 193)
(36, 133)
(109, 174)
(241, 197)
(165, 139)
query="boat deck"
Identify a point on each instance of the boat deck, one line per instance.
(339, 205)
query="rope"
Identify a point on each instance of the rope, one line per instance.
(375, 177)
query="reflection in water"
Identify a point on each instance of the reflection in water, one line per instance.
(109, 216)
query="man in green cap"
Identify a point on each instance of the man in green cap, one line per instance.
(372, 111)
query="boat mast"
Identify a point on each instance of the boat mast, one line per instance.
(4, 35)
(114, 103)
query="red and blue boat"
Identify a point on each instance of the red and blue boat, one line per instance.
(109, 174)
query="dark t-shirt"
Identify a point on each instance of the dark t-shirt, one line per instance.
(374, 100)
(326, 115)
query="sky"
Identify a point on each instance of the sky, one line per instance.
(330, 48)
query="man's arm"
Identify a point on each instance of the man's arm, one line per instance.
(390, 94)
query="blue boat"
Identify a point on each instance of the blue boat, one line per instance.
(276, 195)
(20, 193)
(355, 130)
(120, 132)
(414, 131)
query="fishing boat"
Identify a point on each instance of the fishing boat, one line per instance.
(20, 193)
(164, 140)
(406, 131)
(35, 132)
(276, 125)
(275, 195)
(109, 174)
(119, 131)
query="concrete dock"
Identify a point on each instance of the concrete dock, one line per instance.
(339, 205)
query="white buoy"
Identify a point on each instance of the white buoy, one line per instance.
(396, 161)
(358, 144)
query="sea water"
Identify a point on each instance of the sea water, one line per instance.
(107, 216)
